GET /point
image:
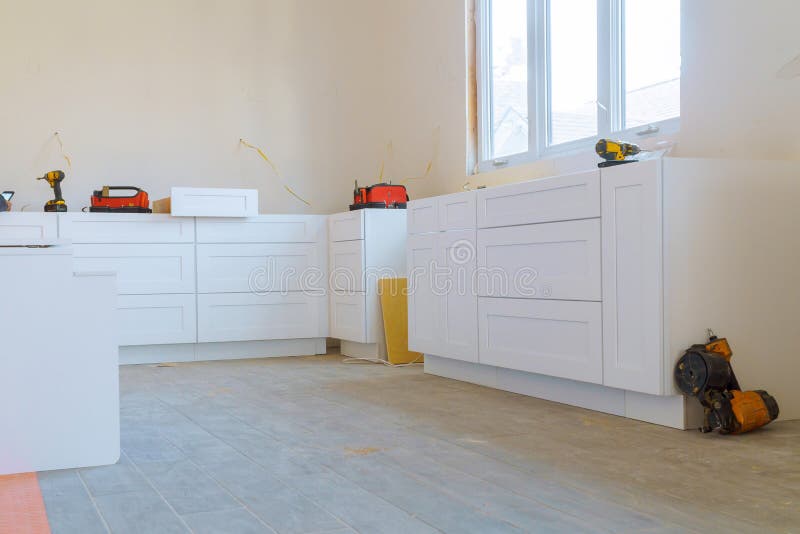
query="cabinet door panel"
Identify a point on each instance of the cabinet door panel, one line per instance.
(556, 338)
(457, 211)
(458, 302)
(560, 198)
(348, 317)
(142, 269)
(347, 265)
(422, 216)
(156, 319)
(543, 261)
(238, 268)
(346, 226)
(632, 277)
(423, 304)
(252, 317)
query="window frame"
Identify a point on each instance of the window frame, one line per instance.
(610, 86)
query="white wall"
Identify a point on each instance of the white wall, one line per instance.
(157, 93)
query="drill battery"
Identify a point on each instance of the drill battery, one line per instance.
(108, 200)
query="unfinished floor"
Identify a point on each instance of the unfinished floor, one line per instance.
(306, 445)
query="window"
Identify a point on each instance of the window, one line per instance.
(554, 75)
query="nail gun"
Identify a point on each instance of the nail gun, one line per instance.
(705, 372)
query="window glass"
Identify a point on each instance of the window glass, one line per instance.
(573, 70)
(509, 50)
(652, 61)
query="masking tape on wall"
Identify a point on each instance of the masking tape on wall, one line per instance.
(275, 170)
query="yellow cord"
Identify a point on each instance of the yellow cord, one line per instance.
(275, 170)
(435, 155)
(63, 155)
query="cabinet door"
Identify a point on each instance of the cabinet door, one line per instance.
(632, 277)
(346, 226)
(456, 296)
(423, 304)
(348, 316)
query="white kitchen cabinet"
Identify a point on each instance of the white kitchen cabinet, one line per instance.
(545, 261)
(555, 338)
(259, 267)
(141, 269)
(364, 246)
(250, 317)
(124, 228)
(251, 286)
(560, 198)
(156, 319)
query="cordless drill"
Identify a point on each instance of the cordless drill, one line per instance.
(615, 152)
(54, 178)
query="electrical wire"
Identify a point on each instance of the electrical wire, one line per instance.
(275, 170)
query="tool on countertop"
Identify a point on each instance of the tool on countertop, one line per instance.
(615, 152)
(54, 178)
(705, 372)
(105, 201)
(379, 196)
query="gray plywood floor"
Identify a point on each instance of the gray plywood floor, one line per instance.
(307, 445)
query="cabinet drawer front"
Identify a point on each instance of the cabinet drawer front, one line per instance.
(422, 216)
(555, 338)
(347, 266)
(125, 228)
(252, 317)
(156, 319)
(35, 226)
(213, 202)
(348, 317)
(141, 269)
(263, 229)
(544, 261)
(346, 226)
(238, 268)
(456, 212)
(562, 198)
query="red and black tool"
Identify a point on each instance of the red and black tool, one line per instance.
(380, 196)
(107, 202)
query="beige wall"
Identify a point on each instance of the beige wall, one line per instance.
(157, 93)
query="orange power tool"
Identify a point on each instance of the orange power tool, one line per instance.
(705, 372)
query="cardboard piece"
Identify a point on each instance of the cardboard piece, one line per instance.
(394, 304)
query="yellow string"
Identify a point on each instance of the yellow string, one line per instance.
(389, 154)
(63, 155)
(275, 170)
(434, 157)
